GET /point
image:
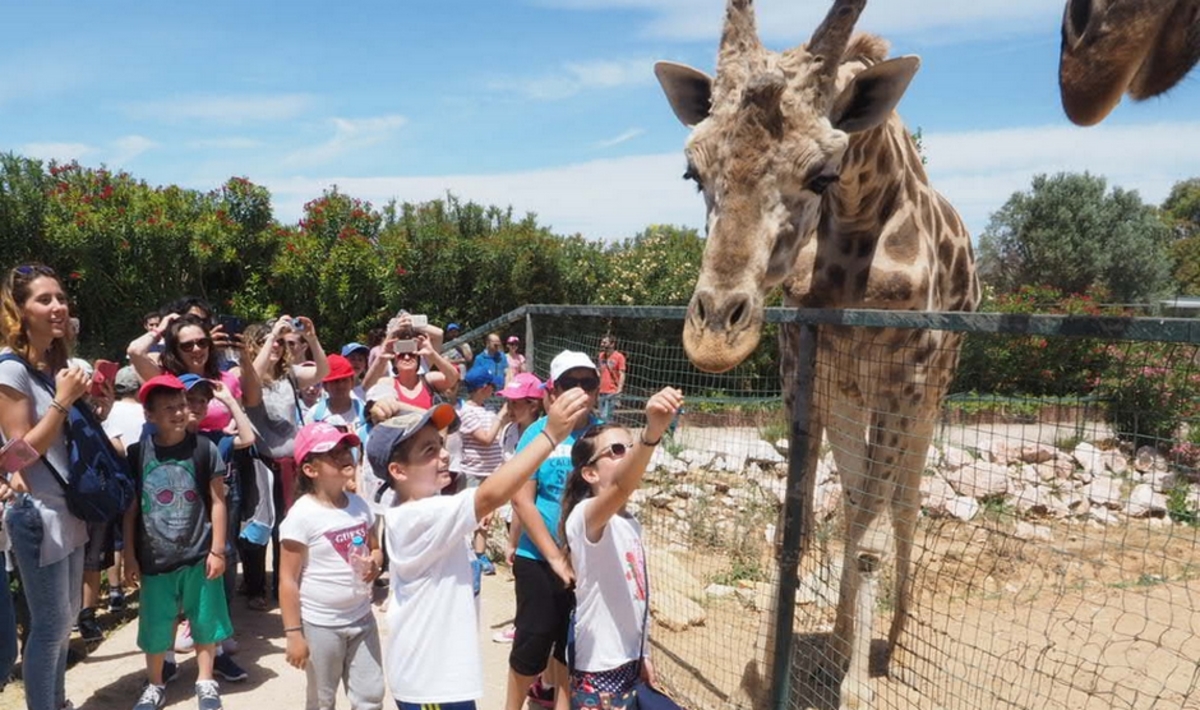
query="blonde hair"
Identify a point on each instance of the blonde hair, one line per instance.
(255, 339)
(13, 294)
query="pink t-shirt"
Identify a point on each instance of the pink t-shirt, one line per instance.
(219, 416)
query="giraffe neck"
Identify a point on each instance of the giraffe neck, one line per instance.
(881, 174)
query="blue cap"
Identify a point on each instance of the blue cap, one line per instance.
(191, 381)
(453, 326)
(390, 433)
(477, 377)
(353, 348)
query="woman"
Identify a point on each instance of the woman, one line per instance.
(271, 392)
(408, 388)
(47, 540)
(516, 361)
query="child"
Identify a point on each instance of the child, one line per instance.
(605, 544)
(175, 540)
(433, 654)
(481, 455)
(327, 617)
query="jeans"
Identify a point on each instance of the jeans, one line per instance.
(609, 402)
(8, 626)
(54, 593)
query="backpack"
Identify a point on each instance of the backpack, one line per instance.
(98, 487)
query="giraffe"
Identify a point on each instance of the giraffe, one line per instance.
(1114, 47)
(812, 182)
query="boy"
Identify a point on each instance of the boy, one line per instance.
(433, 652)
(481, 454)
(175, 532)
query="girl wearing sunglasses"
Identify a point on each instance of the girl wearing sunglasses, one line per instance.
(605, 545)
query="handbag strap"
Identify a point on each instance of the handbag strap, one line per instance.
(50, 386)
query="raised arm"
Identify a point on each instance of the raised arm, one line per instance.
(309, 375)
(445, 375)
(139, 350)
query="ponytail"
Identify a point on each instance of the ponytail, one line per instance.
(577, 489)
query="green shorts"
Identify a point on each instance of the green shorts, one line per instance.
(186, 589)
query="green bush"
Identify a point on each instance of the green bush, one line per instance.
(1150, 390)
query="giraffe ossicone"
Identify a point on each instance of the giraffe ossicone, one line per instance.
(812, 183)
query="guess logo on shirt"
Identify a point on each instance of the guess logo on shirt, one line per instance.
(343, 540)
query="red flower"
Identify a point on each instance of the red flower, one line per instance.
(400, 270)
(75, 276)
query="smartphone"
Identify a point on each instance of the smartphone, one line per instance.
(419, 322)
(232, 325)
(103, 371)
(17, 455)
(404, 346)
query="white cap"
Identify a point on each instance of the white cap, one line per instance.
(569, 360)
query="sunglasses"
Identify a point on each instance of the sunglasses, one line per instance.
(406, 356)
(587, 384)
(28, 270)
(193, 345)
(616, 450)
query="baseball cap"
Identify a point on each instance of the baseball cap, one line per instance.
(127, 381)
(390, 433)
(513, 339)
(191, 381)
(523, 386)
(170, 382)
(349, 348)
(569, 360)
(319, 437)
(453, 326)
(339, 368)
(477, 377)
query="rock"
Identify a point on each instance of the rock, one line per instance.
(1104, 492)
(1162, 481)
(676, 592)
(1046, 472)
(1001, 453)
(676, 612)
(660, 459)
(1057, 507)
(980, 479)
(1116, 463)
(827, 499)
(1031, 501)
(1077, 503)
(1144, 502)
(1104, 516)
(696, 459)
(1147, 459)
(729, 462)
(963, 508)
(1064, 465)
(748, 596)
(954, 458)
(662, 500)
(1036, 453)
(826, 471)
(1028, 474)
(1029, 531)
(777, 488)
(688, 491)
(935, 492)
(782, 445)
(719, 591)
(1089, 458)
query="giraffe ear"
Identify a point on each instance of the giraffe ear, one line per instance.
(688, 90)
(872, 94)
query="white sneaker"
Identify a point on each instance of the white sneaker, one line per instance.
(154, 697)
(208, 695)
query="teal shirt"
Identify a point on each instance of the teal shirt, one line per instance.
(551, 479)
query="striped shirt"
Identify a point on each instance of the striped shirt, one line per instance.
(478, 459)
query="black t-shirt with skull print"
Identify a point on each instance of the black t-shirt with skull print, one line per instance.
(174, 527)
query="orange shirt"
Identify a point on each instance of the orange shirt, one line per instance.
(610, 366)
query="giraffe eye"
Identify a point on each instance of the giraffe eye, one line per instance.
(821, 183)
(692, 174)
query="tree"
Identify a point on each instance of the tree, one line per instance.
(1181, 212)
(1068, 231)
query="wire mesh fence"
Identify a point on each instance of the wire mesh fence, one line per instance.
(1055, 515)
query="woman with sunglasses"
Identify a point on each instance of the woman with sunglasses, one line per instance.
(408, 388)
(605, 545)
(47, 540)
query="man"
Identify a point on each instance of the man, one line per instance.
(612, 376)
(493, 361)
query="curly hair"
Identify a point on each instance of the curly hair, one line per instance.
(13, 294)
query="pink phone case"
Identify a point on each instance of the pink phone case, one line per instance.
(17, 455)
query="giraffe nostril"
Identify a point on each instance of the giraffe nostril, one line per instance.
(738, 312)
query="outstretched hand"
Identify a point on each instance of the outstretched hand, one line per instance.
(661, 408)
(566, 409)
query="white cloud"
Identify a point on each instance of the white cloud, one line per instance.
(790, 22)
(615, 198)
(62, 152)
(619, 139)
(127, 148)
(576, 77)
(221, 109)
(348, 135)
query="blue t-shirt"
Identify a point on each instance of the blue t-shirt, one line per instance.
(551, 479)
(496, 365)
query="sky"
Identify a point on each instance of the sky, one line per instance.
(549, 106)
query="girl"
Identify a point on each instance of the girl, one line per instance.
(325, 580)
(605, 544)
(47, 540)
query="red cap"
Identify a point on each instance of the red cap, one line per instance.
(339, 368)
(170, 382)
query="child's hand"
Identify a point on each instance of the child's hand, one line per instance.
(133, 573)
(566, 409)
(505, 415)
(214, 567)
(297, 650)
(221, 393)
(561, 564)
(660, 410)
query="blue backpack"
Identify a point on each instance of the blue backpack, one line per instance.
(99, 488)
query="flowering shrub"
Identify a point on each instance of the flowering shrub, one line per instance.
(1151, 389)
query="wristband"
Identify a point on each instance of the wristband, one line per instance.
(217, 554)
(553, 443)
(290, 629)
(642, 438)
(57, 405)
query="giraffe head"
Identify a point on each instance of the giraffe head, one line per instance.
(1113, 47)
(769, 134)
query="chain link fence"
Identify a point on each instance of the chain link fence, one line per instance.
(1053, 555)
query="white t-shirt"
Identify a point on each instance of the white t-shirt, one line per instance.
(327, 590)
(478, 459)
(610, 591)
(125, 421)
(433, 651)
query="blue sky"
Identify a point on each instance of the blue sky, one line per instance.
(546, 105)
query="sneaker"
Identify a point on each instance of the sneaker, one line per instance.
(116, 603)
(184, 643)
(170, 671)
(89, 630)
(540, 694)
(486, 565)
(208, 695)
(153, 697)
(225, 667)
(505, 635)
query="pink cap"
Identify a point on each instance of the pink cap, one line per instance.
(523, 386)
(319, 437)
